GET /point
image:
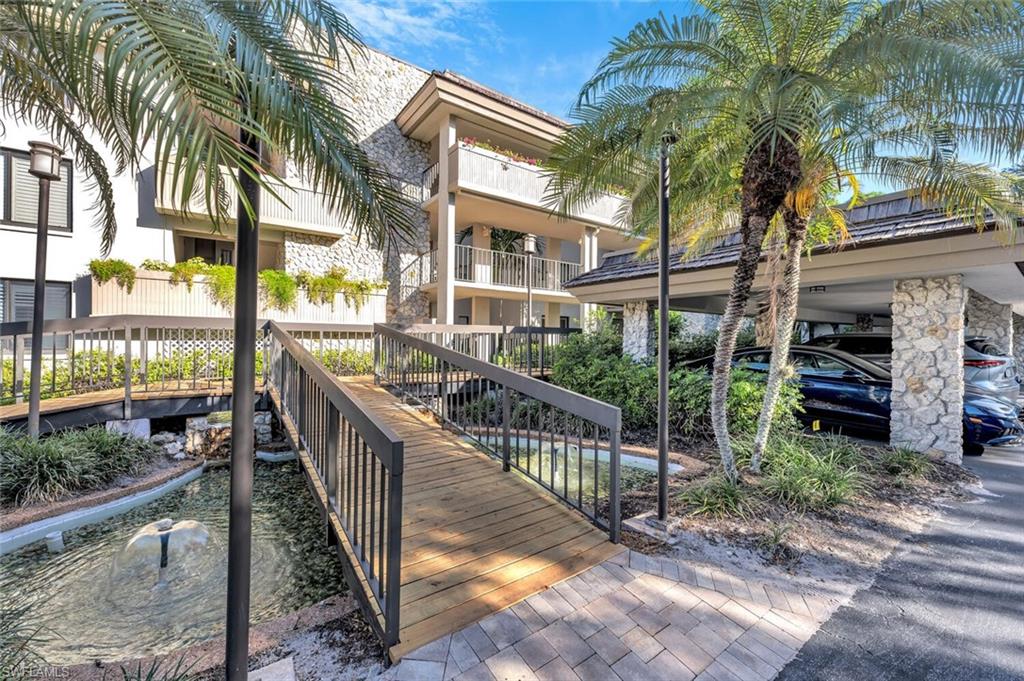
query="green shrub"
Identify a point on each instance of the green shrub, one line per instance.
(347, 362)
(45, 469)
(279, 289)
(187, 270)
(808, 480)
(121, 271)
(719, 497)
(902, 462)
(322, 289)
(693, 346)
(156, 265)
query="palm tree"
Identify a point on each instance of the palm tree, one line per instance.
(205, 90)
(887, 90)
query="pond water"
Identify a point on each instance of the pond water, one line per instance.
(89, 609)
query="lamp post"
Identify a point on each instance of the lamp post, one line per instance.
(243, 389)
(530, 248)
(667, 139)
(44, 163)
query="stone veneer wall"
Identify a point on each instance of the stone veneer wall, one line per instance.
(1018, 342)
(380, 86)
(927, 365)
(638, 330)
(986, 317)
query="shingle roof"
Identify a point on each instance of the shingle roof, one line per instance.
(500, 96)
(879, 221)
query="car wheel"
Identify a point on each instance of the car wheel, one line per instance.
(973, 449)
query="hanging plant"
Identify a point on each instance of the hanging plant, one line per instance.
(121, 271)
(221, 281)
(322, 289)
(279, 289)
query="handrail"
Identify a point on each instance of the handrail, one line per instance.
(520, 348)
(359, 460)
(488, 402)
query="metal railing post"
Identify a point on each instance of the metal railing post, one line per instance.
(443, 391)
(506, 429)
(144, 355)
(331, 464)
(376, 358)
(19, 369)
(394, 576)
(127, 372)
(614, 510)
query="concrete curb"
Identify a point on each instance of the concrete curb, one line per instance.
(18, 537)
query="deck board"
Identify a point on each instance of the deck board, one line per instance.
(474, 539)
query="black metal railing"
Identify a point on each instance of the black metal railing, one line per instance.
(505, 346)
(358, 460)
(567, 443)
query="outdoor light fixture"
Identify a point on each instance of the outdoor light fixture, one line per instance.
(530, 244)
(44, 160)
(44, 163)
(668, 138)
(530, 249)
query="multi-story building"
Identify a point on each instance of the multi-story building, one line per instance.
(471, 157)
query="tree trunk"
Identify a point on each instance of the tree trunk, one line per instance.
(754, 229)
(770, 172)
(796, 235)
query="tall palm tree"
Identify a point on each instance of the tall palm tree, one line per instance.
(205, 90)
(749, 85)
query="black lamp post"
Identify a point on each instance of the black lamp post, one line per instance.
(243, 389)
(667, 139)
(530, 248)
(44, 163)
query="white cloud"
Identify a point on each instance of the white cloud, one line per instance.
(399, 25)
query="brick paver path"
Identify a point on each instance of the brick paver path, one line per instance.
(633, 618)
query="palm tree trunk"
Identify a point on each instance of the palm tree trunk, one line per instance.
(742, 279)
(796, 235)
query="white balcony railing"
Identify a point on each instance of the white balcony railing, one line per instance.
(489, 173)
(494, 268)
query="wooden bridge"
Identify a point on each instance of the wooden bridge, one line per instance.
(442, 510)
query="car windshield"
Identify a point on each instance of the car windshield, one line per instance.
(819, 365)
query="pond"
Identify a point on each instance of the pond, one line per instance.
(90, 607)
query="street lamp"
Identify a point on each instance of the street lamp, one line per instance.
(530, 248)
(44, 163)
(668, 138)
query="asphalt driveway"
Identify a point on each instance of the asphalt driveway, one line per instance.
(947, 605)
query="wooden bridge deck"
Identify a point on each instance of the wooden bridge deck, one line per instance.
(474, 539)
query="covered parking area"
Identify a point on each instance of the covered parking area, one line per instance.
(909, 269)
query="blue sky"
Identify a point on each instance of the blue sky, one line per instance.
(539, 52)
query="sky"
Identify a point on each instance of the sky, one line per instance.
(538, 51)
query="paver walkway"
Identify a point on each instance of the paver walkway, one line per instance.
(634, 617)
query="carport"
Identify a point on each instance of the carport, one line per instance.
(909, 267)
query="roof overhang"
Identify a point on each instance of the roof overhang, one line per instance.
(443, 94)
(910, 258)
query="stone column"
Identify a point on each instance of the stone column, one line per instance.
(446, 139)
(588, 261)
(638, 330)
(986, 317)
(928, 365)
(1018, 343)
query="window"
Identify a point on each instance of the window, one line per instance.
(21, 193)
(755, 361)
(820, 365)
(563, 322)
(16, 297)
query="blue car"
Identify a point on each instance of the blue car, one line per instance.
(843, 392)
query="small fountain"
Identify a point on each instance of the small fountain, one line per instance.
(162, 542)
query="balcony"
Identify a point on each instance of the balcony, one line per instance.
(490, 174)
(494, 269)
(295, 208)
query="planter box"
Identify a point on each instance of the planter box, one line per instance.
(155, 294)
